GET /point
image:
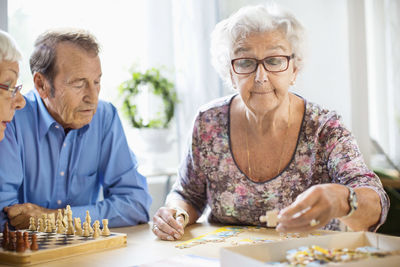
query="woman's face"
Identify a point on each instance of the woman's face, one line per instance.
(8, 104)
(263, 91)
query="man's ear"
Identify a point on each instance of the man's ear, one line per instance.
(41, 85)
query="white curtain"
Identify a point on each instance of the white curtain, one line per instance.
(196, 81)
(392, 8)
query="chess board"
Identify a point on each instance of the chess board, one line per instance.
(54, 246)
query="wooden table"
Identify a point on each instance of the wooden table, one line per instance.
(143, 247)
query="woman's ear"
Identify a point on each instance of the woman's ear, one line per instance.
(41, 85)
(294, 77)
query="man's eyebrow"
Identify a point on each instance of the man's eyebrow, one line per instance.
(76, 80)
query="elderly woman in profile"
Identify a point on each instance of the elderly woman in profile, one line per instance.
(266, 148)
(10, 96)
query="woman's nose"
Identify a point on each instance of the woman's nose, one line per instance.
(261, 74)
(19, 101)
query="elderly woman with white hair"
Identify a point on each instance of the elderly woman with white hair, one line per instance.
(10, 96)
(265, 148)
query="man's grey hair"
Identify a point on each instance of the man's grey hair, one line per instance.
(249, 20)
(9, 50)
(43, 57)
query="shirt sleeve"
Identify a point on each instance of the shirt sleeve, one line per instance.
(190, 185)
(11, 176)
(346, 164)
(126, 197)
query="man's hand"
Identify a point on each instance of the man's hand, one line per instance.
(19, 214)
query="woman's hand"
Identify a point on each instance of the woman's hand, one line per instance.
(314, 208)
(166, 226)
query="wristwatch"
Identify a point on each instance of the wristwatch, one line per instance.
(179, 211)
(353, 204)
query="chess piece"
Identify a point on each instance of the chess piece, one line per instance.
(4, 242)
(88, 219)
(44, 217)
(70, 228)
(6, 231)
(34, 244)
(96, 229)
(65, 218)
(78, 226)
(32, 226)
(11, 241)
(26, 240)
(86, 231)
(60, 227)
(105, 231)
(41, 226)
(48, 228)
(52, 219)
(59, 216)
(20, 244)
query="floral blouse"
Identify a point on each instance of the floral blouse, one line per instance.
(326, 152)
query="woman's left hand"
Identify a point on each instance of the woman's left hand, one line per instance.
(314, 208)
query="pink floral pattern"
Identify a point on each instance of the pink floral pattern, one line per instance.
(326, 152)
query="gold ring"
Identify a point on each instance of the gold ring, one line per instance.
(314, 222)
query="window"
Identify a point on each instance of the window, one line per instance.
(118, 26)
(383, 33)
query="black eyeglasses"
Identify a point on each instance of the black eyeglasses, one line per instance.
(13, 90)
(277, 63)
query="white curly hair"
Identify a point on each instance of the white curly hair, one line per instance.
(254, 19)
(9, 50)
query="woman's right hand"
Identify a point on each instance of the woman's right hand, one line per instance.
(166, 226)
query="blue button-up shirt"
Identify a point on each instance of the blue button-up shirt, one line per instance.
(91, 168)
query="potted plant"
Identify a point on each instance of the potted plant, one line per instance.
(151, 117)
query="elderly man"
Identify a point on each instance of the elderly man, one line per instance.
(66, 147)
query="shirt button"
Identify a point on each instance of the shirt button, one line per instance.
(62, 173)
(59, 202)
(64, 145)
(57, 126)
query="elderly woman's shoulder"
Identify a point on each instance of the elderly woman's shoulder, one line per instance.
(220, 104)
(317, 114)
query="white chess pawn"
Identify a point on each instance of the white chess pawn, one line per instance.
(86, 231)
(32, 226)
(48, 228)
(41, 226)
(105, 231)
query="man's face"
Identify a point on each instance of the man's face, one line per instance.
(76, 85)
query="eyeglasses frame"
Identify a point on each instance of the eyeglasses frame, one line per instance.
(261, 61)
(13, 90)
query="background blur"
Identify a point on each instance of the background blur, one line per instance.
(352, 65)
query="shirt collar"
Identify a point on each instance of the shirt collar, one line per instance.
(45, 119)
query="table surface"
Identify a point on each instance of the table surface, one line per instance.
(144, 247)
